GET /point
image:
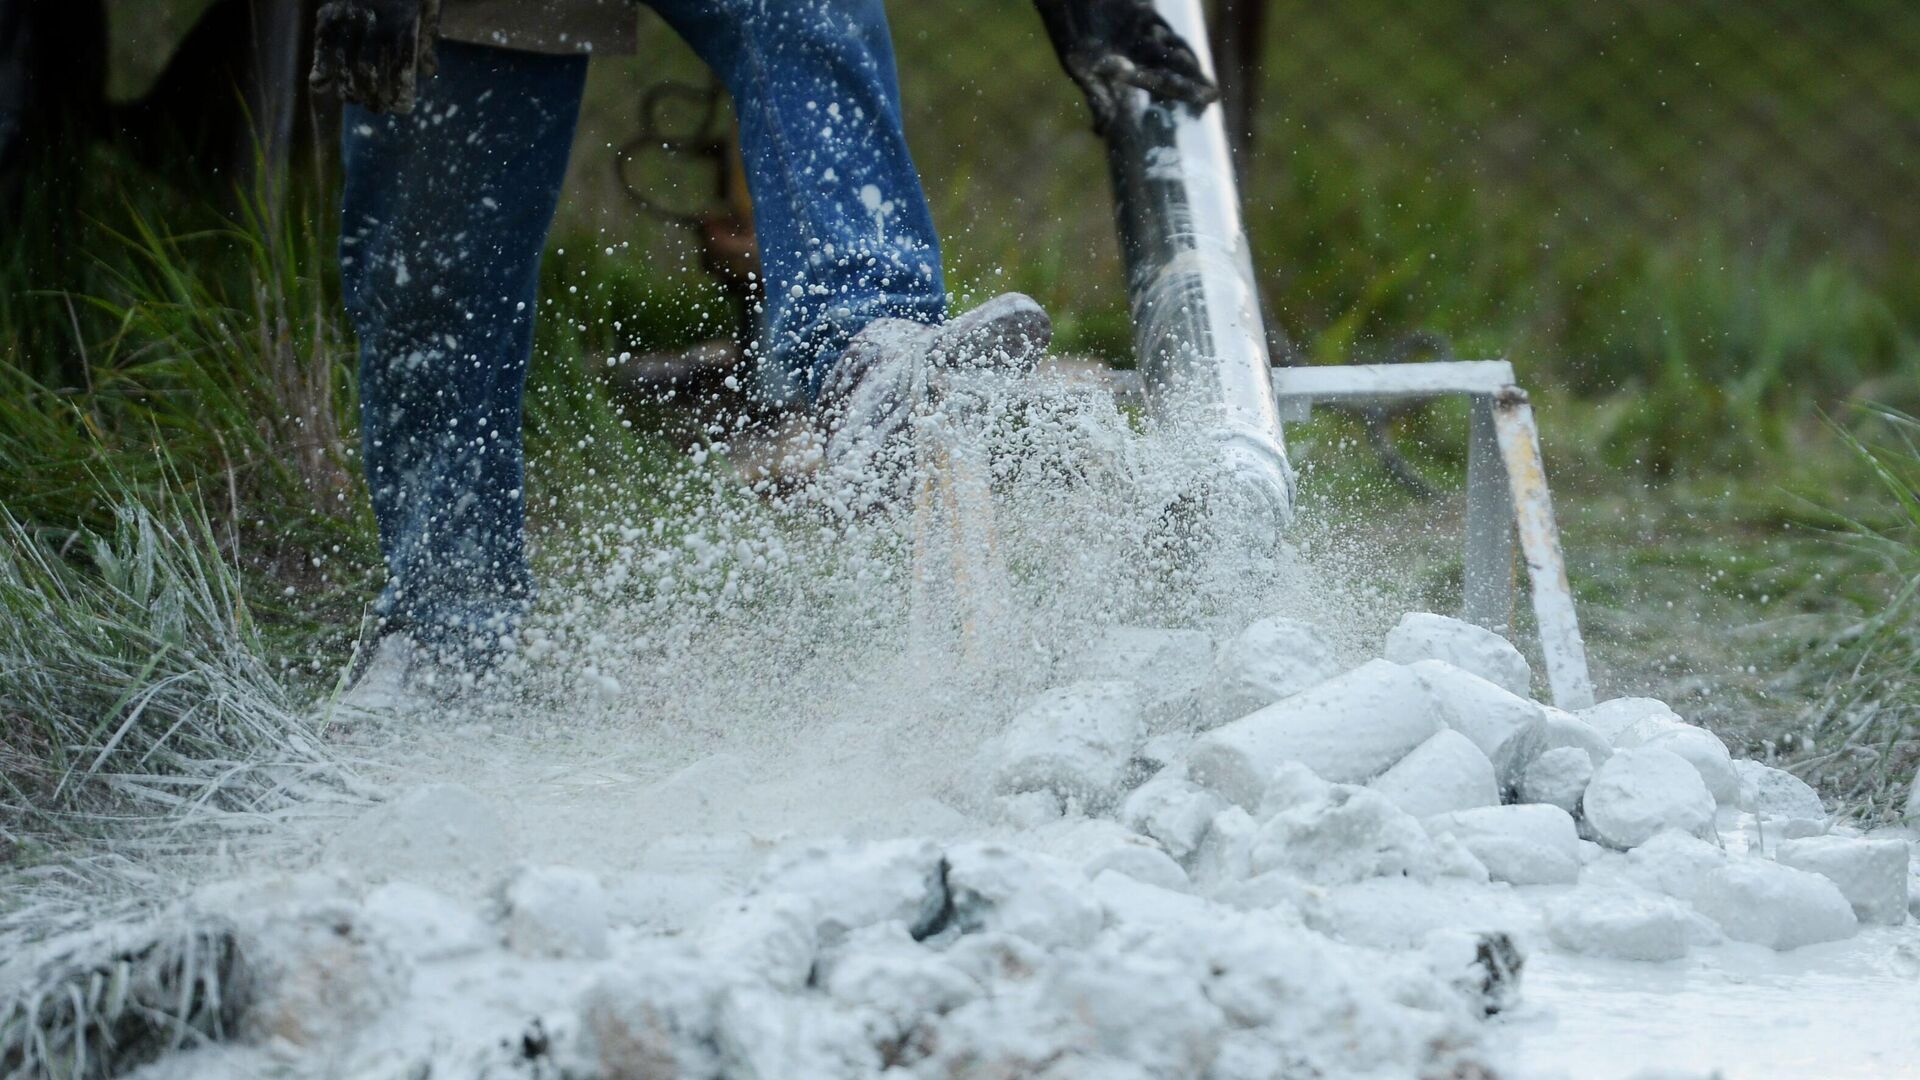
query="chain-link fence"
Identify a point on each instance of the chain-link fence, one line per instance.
(1756, 117)
(1502, 134)
(1753, 116)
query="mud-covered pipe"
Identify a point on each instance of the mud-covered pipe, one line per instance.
(1198, 334)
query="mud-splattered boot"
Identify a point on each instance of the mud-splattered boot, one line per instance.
(401, 677)
(894, 367)
(386, 683)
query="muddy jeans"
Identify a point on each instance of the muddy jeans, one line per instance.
(444, 217)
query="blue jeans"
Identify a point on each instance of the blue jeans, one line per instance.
(444, 217)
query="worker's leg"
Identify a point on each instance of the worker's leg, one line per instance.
(443, 219)
(845, 235)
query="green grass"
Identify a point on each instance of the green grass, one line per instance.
(1863, 733)
(212, 348)
(134, 684)
(1738, 596)
(114, 995)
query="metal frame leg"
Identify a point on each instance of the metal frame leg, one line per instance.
(1506, 493)
(1488, 583)
(1560, 643)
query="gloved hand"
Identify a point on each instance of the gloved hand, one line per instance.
(1109, 45)
(372, 52)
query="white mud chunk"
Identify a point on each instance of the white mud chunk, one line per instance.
(1425, 636)
(1027, 810)
(653, 1014)
(1086, 1016)
(1076, 741)
(1708, 756)
(1558, 777)
(1272, 659)
(1798, 828)
(703, 796)
(1313, 831)
(664, 901)
(1225, 852)
(1620, 924)
(1639, 793)
(883, 969)
(1076, 840)
(1170, 666)
(1613, 719)
(1675, 863)
(1494, 718)
(1401, 913)
(1163, 750)
(1138, 905)
(1524, 845)
(853, 886)
(422, 924)
(1348, 730)
(1173, 810)
(1555, 729)
(989, 957)
(1871, 874)
(1447, 772)
(556, 912)
(765, 1035)
(1277, 894)
(1334, 834)
(994, 888)
(766, 937)
(1144, 1013)
(442, 835)
(1777, 906)
(1148, 865)
(322, 977)
(1777, 795)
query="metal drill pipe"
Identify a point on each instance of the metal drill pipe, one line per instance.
(1198, 335)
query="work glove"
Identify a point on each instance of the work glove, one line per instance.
(1110, 45)
(373, 52)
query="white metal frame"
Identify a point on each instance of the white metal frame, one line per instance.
(1506, 493)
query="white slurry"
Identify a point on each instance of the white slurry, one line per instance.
(768, 804)
(1240, 914)
(1620, 924)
